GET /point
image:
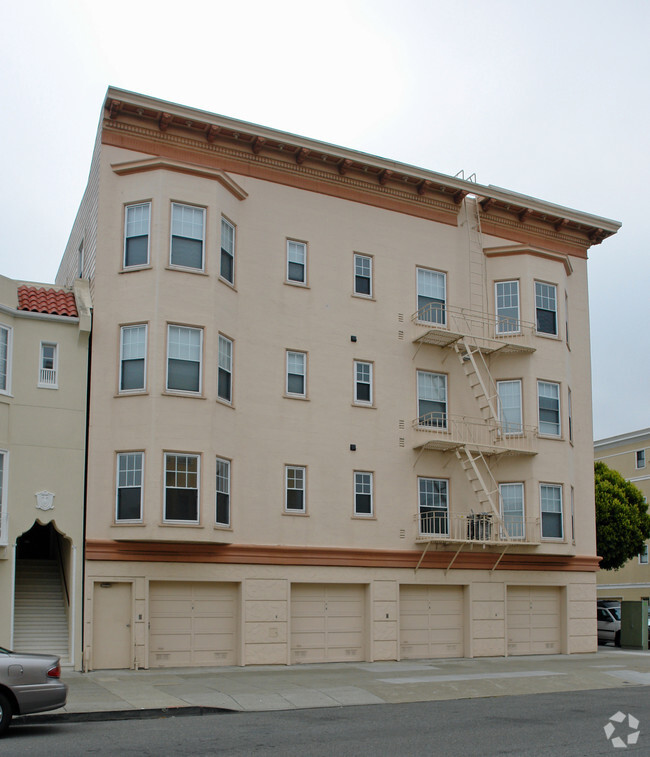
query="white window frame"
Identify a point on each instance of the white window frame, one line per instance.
(126, 348)
(363, 265)
(187, 349)
(510, 425)
(48, 376)
(543, 301)
(296, 256)
(129, 476)
(136, 226)
(227, 256)
(180, 475)
(639, 459)
(543, 511)
(4, 480)
(514, 520)
(225, 351)
(292, 370)
(181, 224)
(296, 475)
(541, 384)
(431, 309)
(432, 418)
(433, 518)
(6, 346)
(569, 403)
(643, 555)
(364, 492)
(222, 489)
(505, 303)
(362, 381)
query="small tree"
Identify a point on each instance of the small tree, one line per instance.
(622, 520)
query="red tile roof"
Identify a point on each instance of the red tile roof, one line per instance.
(41, 300)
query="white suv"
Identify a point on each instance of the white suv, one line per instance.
(609, 622)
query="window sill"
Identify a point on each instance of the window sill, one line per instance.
(225, 403)
(301, 397)
(367, 405)
(47, 386)
(359, 296)
(229, 284)
(179, 524)
(295, 512)
(191, 395)
(128, 523)
(182, 269)
(218, 527)
(299, 284)
(544, 335)
(356, 516)
(134, 268)
(551, 437)
(134, 393)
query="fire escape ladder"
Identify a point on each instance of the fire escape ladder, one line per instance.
(480, 379)
(481, 479)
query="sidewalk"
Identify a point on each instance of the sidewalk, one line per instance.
(149, 693)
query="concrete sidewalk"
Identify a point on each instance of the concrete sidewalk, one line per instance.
(149, 693)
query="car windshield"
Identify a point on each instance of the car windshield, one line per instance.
(616, 612)
(5, 651)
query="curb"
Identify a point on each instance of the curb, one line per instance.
(107, 715)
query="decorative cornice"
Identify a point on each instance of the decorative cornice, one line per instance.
(522, 249)
(139, 551)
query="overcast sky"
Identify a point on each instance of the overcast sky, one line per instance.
(551, 99)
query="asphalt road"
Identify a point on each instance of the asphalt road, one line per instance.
(568, 724)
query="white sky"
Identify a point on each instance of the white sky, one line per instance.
(551, 99)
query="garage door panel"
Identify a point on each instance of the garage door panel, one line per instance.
(192, 623)
(533, 619)
(431, 621)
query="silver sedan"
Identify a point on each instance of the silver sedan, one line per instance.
(29, 683)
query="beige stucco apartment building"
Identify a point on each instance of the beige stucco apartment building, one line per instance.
(629, 454)
(44, 335)
(340, 406)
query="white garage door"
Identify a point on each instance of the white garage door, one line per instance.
(327, 623)
(431, 622)
(533, 619)
(192, 623)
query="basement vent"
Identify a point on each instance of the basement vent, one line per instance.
(400, 424)
(400, 317)
(402, 533)
(400, 335)
(401, 441)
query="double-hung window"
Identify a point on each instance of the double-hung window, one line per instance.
(639, 459)
(222, 504)
(432, 399)
(551, 508)
(188, 232)
(48, 365)
(548, 403)
(133, 358)
(128, 506)
(363, 275)
(512, 510)
(296, 374)
(363, 504)
(509, 400)
(3, 498)
(5, 359)
(227, 269)
(432, 296)
(296, 262)
(182, 487)
(224, 379)
(136, 234)
(643, 555)
(294, 500)
(362, 383)
(507, 302)
(546, 308)
(433, 506)
(184, 350)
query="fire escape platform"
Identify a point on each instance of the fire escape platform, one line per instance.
(439, 336)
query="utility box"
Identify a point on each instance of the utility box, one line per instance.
(634, 624)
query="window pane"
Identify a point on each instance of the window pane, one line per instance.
(362, 274)
(227, 250)
(224, 388)
(4, 358)
(128, 504)
(223, 492)
(181, 487)
(431, 296)
(295, 373)
(296, 257)
(509, 396)
(187, 236)
(363, 383)
(181, 504)
(546, 308)
(551, 508)
(432, 399)
(184, 359)
(507, 299)
(549, 408)
(132, 376)
(295, 488)
(512, 509)
(433, 506)
(129, 486)
(363, 493)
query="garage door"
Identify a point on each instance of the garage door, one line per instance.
(327, 623)
(533, 618)
(192, 623)
(431, 622)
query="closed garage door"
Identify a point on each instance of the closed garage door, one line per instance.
(431, 622)
(192, 623)
(327, 623)
(533, 619)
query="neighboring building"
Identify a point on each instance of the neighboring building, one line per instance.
(629, 454)
(44, 339)
(331, 414)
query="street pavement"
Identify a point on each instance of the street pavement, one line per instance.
(121, 694)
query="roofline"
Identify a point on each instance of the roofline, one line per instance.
(484, 192)
(615, 441)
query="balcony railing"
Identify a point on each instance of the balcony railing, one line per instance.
(47, 377)
(482, 528)
(445, 431)
(446, 325)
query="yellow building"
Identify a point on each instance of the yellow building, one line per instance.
(629, 454)
(44, 335)
(331, 414)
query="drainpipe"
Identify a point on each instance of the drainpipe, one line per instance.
(85, 507)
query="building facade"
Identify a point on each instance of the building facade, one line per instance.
(629, 454)
(44, 336)
(340, 406)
